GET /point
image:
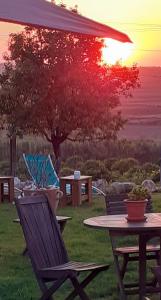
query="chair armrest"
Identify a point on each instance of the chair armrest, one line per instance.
(18, 190)
(100, 192)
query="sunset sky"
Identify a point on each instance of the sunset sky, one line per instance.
(140, 19)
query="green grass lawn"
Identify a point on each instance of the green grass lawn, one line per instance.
(17, 281)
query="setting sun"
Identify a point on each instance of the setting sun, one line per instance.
(116, 51)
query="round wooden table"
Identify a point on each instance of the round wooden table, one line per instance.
(117, 225)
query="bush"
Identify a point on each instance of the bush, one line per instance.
(109, 162)
(156, 176)
(123, 165)
(115, 175)
(65, 171)
(136, 175)
(149, 167)
(74, 162)
(96, 169)
(21, 170)
(4, 168)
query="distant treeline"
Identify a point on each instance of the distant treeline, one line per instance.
(115, 160)
(142, 150)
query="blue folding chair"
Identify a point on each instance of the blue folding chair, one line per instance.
(42, 172)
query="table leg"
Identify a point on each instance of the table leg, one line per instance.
(11, 189)
(62, 225)
(76, 193)
(1, 192)
(63, 189)
(142, 266)
(89, 190)
(117, 269)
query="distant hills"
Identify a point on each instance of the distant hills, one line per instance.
(146, 102)
(143, 111)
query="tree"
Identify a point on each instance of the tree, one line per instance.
(55, 84)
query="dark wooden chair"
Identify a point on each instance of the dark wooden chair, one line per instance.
(47, 251)
(115, 205)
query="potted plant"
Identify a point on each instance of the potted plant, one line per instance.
(136, 203)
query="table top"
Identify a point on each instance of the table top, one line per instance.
(59, 219)
(6, 177)
(120, 223)
(71, 177)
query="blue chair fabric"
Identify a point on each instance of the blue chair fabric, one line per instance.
(41, 170)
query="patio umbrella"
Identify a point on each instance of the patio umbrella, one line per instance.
(45, 14)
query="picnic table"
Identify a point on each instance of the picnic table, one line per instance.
(117, 225)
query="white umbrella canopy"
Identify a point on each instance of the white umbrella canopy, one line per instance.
(41, 13)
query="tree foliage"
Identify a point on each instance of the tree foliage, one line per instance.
(55, 84)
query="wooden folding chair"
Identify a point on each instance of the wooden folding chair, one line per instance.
(114, 206)
(47, 250)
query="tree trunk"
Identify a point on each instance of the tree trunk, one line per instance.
(13, 155)
(57, 152)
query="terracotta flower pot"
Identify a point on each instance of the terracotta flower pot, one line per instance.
(136, 209)
(53, 194)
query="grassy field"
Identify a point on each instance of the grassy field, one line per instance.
(143, 110)
(17, 281)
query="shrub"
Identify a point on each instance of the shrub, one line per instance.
(74, 162)
(136, 175)
(66, 171)
(149, 167)
(96, 169)
(21, 170)
(91, 164)
(109, 162)
(156, 176)
(124, 165)
(115, 175)
(4, 167)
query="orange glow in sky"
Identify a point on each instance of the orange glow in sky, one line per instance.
(139, 19)
(115, 51)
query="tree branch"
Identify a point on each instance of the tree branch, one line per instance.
(47, 136)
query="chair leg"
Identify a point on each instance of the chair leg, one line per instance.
(48, 293)
(154, 281)
(84, 283)
(79, 289)
(124, 265)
